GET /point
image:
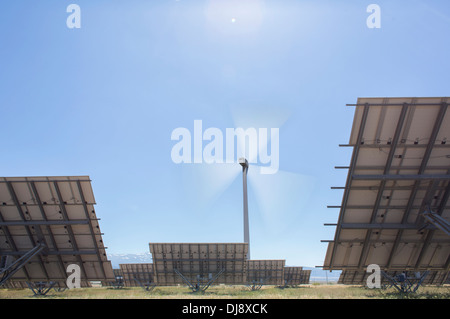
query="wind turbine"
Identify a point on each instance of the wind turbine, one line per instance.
(275, 195)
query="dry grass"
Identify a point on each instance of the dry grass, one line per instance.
(234, 292)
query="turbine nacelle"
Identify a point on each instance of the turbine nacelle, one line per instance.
(243, 161)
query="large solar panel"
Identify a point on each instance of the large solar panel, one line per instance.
(199, 262)
(399, 173)
(305, 277)
(54, 218)
(294, 276)
(265, 272)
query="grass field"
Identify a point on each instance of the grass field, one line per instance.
(235, 292)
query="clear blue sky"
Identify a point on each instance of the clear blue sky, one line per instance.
(104, 99)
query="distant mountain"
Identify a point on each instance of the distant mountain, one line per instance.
(317, 274)
(320, 275)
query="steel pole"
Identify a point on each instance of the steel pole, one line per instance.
(246, 224)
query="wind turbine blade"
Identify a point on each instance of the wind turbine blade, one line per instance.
(253, 117)
(204, 183)
(255, 114)
(279, 197)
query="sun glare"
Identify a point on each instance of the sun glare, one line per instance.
(220, 13)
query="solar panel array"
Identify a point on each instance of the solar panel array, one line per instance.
(199, 261)
(56, 215)
(399, 173)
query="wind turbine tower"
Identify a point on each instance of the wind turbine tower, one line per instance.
(244, 164)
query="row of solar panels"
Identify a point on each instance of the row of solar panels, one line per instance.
(174, 263)
(267, 272)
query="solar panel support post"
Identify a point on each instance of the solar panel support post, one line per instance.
(9, 270)
(405, 283)
(199, 286)
(287, 281)
(147, 286)
(437, 220)
(258, 283)
(213, 279)
(117, 283)
(244, 163)
(40, 288)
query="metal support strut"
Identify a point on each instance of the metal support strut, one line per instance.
(257, 284)
(437, 220)
(40, 288)
(405, 283)
(200, 286)
(8, 269)
(147, 285)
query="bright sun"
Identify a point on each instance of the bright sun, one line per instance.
(220, 13)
